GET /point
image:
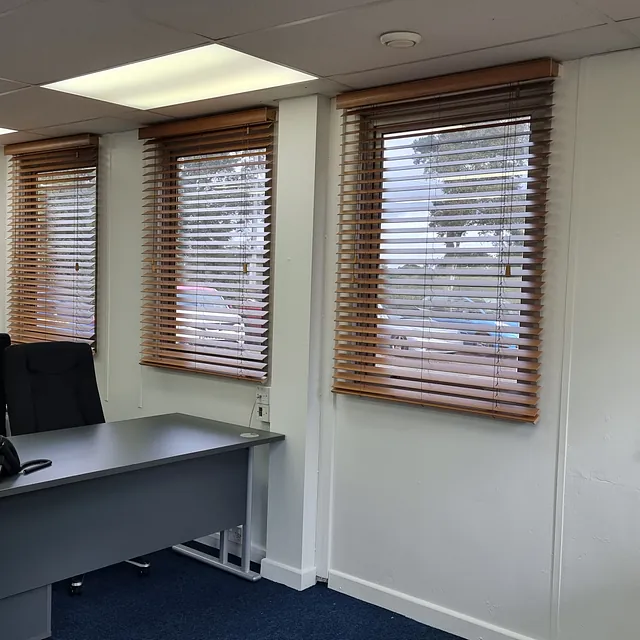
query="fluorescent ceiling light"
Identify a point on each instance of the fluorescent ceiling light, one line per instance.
(3, 131)
(197, 74)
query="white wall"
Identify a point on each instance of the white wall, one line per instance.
(601, 552)
(296, 354)
(466, 523)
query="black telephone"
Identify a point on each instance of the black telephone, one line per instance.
(10, 461)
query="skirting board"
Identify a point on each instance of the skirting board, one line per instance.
(298, 579)
(257, 553)
(430, 614)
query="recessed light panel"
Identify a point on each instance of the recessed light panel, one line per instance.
(197, 74)
(3, 131)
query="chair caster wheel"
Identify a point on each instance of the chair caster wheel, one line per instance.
(144, 571)
(75, 590)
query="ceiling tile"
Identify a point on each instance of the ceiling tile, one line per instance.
(225, 18)
(20, 136)
(567, 46)
(147, 117)
(103, 125)
(253, 98)
(615, 9)
(34, 108)
(10, 85)
(633, 26)
(8, 5)
(75, 37)
(98, 125)
(349, 41)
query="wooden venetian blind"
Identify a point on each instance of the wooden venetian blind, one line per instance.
(53, 240)
(441, 241)
(207, 244)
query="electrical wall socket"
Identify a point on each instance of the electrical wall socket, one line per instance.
(262, 403)
(263, 413)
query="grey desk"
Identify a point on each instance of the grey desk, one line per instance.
(116, 491)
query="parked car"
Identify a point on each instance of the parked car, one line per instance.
(439, 329)
(477, 326)
(204, 314)
(399, 329)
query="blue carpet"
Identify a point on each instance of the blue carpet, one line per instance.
(186, 600)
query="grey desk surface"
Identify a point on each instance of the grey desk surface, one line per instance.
(115, 447)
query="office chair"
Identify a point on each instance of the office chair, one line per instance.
(5, 341)
(49, 386)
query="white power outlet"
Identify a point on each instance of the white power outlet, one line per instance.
(262, 395)
(262, 403)
(263, 413)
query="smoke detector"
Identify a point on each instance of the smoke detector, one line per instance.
(400, 39)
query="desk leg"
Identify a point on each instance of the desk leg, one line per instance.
(222, 562)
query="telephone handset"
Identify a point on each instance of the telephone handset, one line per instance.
(10, 464)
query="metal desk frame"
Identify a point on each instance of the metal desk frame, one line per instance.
(222, 562)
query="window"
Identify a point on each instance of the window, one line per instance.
(441, 239)
(53, 240)
(207, 244)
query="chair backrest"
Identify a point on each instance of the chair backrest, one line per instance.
(5, 341)
(51, 385)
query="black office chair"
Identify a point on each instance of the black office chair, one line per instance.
(5, 341)
(49, 386)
